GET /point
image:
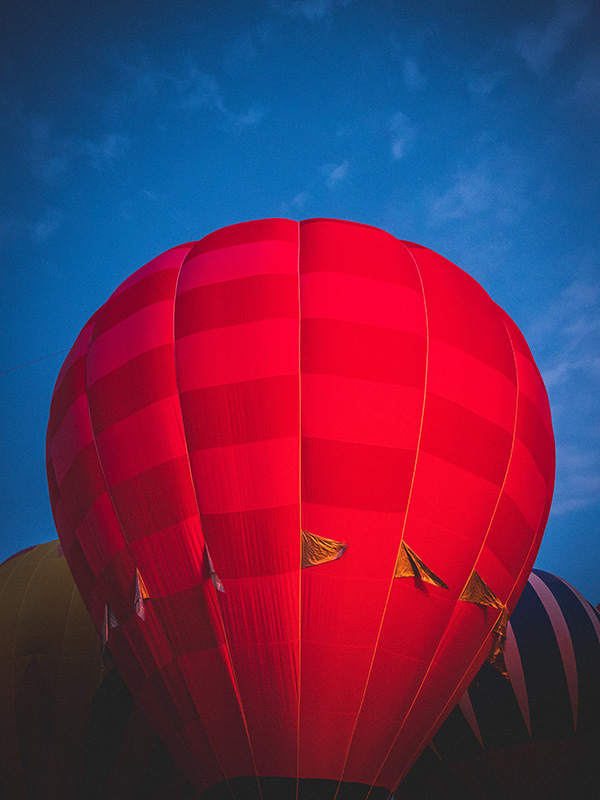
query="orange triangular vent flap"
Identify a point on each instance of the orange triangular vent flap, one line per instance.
(141, 594)
(409, 565)
(496, 655)
(319, 550)
(477, 591)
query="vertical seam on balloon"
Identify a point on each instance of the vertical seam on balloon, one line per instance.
(108, 491)
(412, 483)
(493, 515)
(441, 714)
(299, 667)
(16, 559)
(218, 604)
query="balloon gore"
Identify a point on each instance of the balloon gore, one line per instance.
(300, 473)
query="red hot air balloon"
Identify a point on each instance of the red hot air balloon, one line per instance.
(295, 466)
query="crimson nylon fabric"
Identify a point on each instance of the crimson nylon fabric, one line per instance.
(275, 377)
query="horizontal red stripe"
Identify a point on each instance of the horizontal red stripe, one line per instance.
(65, 394)
(74, 434)
(142, 440)
(269, 530)
(526, 485)
(460, 377)
(220, 305)
(217, 416)
(449, 497)
(465, 439)
(156, 287)
(101, 524)
(144, 380)
(335, 347)
(356, 298)
(368, 412)
(242, 353)
(244, 261)
(275, 229)
(148, 328)
(510, 550)
(354, 603)
(461, 313)
(536, 437)
(338, 246)
(355, 475)
(245, 476)
(187, 633)
(156, 499)
(83, 484)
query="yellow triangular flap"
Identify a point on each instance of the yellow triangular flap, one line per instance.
(496, 656)
(319, 550)
(477, 591)
(140, 587)
(409, 565)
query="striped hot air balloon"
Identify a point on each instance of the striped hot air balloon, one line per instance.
(535, 735)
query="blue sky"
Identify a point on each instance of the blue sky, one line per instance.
(472, 128)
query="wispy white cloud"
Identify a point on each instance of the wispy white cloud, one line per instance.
(300, 200)
(47, 225)
(412, 76)
(540, 43)
(492, 187)
(587, 85)
(37, 230)
(335, 173)
(403, 132)
(311, 10)
(51, 154)
(106, 149)
(578, 478)
(197, 89)
(484, 83)
(243, 50)
(566, 339)
(185, 88)
(48, 153)
(246, 48)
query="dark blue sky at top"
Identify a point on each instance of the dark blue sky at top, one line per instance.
(471, 128)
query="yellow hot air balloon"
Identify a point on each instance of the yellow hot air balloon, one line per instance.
(68, 727)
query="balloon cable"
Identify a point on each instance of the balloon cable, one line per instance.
(35, 361)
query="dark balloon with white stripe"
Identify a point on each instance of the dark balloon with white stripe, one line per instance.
(536, 735)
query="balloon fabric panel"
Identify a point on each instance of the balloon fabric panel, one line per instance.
(275, 377)
(244, 461)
